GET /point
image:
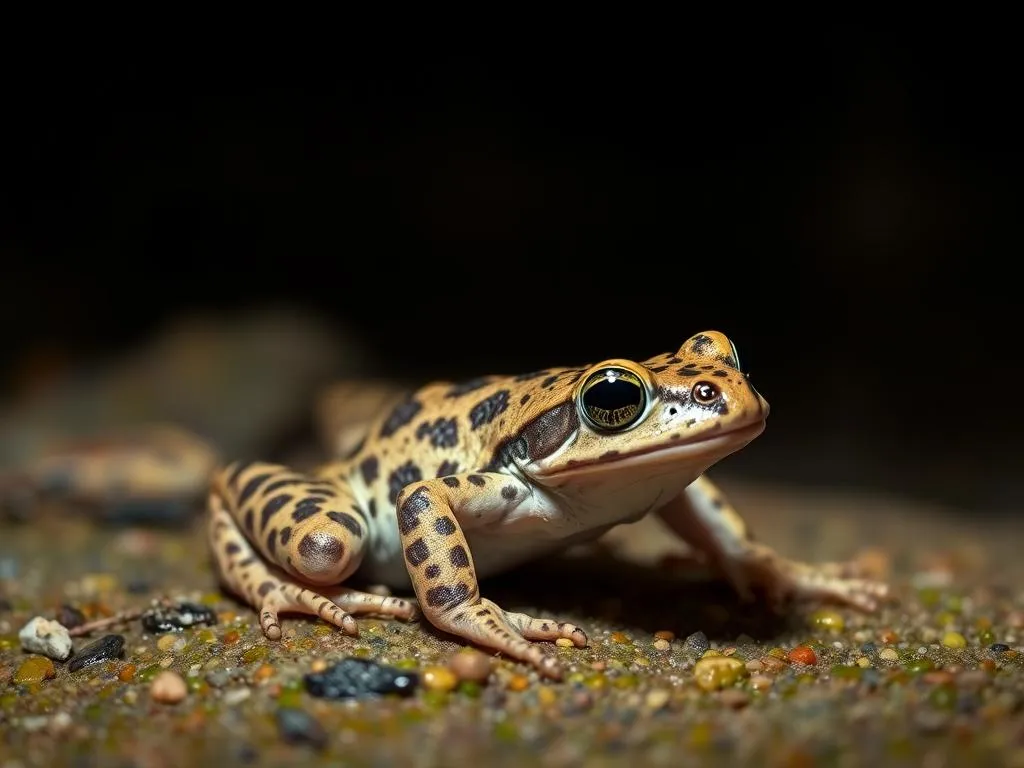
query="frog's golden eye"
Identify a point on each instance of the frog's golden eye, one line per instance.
(613, 399)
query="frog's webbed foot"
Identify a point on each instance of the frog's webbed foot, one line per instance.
(441, 567)
(788, 580)
(512, 633)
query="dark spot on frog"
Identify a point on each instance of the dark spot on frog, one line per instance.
(468, 386)
(445, 526)
(305, 509)
(673, 360)
(232, 548)
(717, 503)
(432, 571)
(524, 399)
(675, 436)
(508, 492)
(488, 409)
(458, 557)
(272, 541)
(690, 423)
(706, 367)
(658, 368)
(609, 455)
(702, 344)
(370, 469)
(720, 374)
(371, 507)
(348, 522)
(251, 487)
(286, 534)
(446, 596)
(279, 484)
(451, 482)
(401, 415)
(404, 475)
(688, 370)
(728, 360)
(443, 433)
(265, 587)
(417, 552)
(546, 384)
(272, 507)
(447, 468)
(321, 549)
(477, 480)
(250, 521)
(411, 509)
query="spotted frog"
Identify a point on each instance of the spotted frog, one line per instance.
(455, 482)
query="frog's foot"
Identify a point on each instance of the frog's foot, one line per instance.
(511, 633)
(788, 580)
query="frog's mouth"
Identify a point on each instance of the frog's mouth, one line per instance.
(702, 452)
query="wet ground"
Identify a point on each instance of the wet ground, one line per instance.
(676, 672)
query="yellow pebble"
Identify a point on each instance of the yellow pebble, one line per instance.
(170, 643)
(863, 662)
(264, 672)
(546, 696)
(657, 698)
(888, 654)
(564, 642)
(715, 672)
(826, 619)
(661, 644)
(439, 679)
(954, 640)
(34, 669)
(318, 665)
(620, 637)
(518, 683)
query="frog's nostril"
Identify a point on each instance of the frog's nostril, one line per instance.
(672, 411)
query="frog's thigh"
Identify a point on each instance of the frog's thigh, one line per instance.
(441, 566)
(264, 515)
(704, 518)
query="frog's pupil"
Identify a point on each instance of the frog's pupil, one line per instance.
(614, 401)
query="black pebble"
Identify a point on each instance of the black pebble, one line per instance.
(70, 616)
(297, 726)
(180, 616)
(107, 647)
(357, 678)
(999, 647)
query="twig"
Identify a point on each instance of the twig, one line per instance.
(122, 617)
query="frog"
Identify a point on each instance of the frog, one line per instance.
(453, 482)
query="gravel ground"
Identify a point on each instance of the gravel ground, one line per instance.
(677, 672)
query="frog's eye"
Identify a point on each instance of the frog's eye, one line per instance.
(705, 393)
(735, 356)
(613, 399)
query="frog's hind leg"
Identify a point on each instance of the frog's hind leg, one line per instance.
(275, 534)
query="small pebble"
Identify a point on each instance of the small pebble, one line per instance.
(170, 642)
(471, 665)
(657, 698)
(177, 617)
(803, 655)
(34, 669)
(357, 678)
(999, 647)
(698, 643)
(49, 638)
(236, 696)
(888, 654)
(70, 616)
(564, 642)
(296, 726)
(715, 672)
(761, 682)
(518, 683)
(664, 634)
(106, 648)
(318, 665)
(439, 679)
(662, 645)
(168, 687)
(954, 640)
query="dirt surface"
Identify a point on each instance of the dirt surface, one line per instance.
(933, 679)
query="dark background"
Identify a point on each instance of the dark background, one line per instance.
(843, 207)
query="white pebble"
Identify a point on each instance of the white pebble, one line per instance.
(168, 688)
(236, 696)
(49, 638)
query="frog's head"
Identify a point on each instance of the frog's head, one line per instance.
(679, 412)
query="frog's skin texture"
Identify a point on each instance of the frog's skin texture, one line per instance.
(454, 482)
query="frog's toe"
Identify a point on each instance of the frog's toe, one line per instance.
(546, 629)
(357, 602)
(282, 597)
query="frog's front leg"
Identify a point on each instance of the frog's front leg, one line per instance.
(431, 516)
(285, 542)
(703, 518)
